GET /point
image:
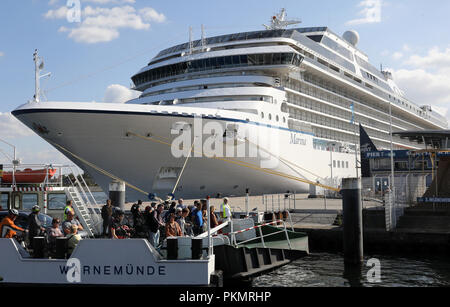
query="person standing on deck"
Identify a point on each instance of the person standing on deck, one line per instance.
(68, 208)
(225, 210)
(107, 211)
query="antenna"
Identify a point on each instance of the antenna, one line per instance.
(279, 21)
(38, 67)
(203, 38)
(191, 43)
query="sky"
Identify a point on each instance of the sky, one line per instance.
(93, 47)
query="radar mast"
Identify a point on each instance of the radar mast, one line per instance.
(279, 21)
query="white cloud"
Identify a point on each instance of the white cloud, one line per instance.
(370, 12)
(436, 59)
(117, 93)
(102, 24)
(59, 13)
(2, 54)
(149, 14)
(11, 128)
(92, 35)
(426, 79)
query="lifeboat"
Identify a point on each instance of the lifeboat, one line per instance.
(28, 175)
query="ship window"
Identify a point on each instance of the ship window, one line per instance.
(278, 118)
(29, 201)
(270, 116)
(4, 201)
(236, 60)
(56, 201)
(339, 164)
(346, 164)
(217, 63)
(228, 60)
(262, 114)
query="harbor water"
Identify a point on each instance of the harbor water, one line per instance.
(328, 270)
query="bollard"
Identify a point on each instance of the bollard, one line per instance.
(197, 249)
(353, 227)
(61, 248)
(172, 248)
(117, 194)
(38, 247)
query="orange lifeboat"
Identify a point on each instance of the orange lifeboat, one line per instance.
(28, 175)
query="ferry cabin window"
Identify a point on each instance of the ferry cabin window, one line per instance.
(29, 201)
(4, 200)
(56, 201)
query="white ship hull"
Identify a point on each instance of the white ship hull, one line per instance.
(97, 134)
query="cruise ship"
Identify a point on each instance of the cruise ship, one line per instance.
(271, 111)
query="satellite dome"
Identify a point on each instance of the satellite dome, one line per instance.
(352, 37)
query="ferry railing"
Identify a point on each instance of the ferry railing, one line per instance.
(284, 230)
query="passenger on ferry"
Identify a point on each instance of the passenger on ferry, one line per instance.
(53, 233)
(67, 224)
(139, 220)
(35, 228)
(186, 226)
(107, 211)
(173, 228)
(178, 213)
(181, 204)
(198, 220)
(225, 210)
(205, 217)
(117, 229)
(72, 239)
(172, 209)
(213, 217)
(156, 222)
(68, 208)
(8, 227)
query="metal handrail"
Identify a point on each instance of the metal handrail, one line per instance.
(263, 236)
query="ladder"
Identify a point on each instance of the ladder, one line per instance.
(81, 210)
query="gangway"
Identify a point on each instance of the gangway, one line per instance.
(81, 196)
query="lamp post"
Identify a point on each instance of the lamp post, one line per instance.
(15, 162)
(331, 146)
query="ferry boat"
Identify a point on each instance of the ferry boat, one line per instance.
(302, 91)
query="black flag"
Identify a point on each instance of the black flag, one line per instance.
(365, 141)
(366, 145)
